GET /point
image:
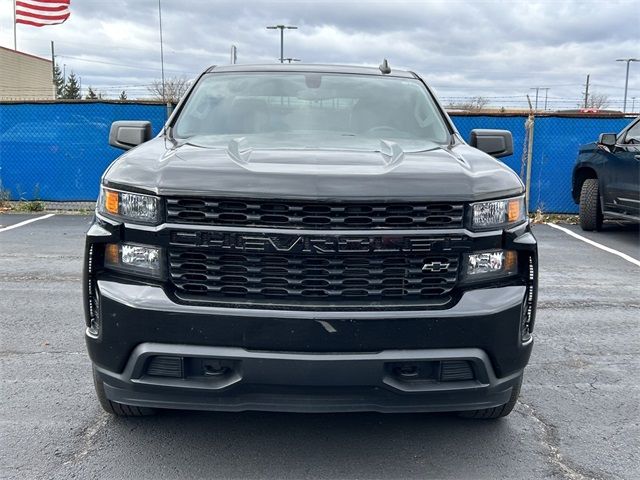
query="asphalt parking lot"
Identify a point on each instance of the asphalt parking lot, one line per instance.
(577, 417)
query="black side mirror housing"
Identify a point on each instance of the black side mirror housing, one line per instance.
(129, 134)
(607, 139)
(497, 143)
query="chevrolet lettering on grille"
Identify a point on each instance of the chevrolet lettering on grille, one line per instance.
(284, 243)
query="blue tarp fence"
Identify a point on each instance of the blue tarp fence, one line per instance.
(58, 151)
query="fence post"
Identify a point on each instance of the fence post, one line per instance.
(531, 124)
(527, 154)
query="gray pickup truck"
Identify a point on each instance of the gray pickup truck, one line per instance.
(309, 238)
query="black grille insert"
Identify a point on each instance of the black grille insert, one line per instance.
(166, 366)
(305, 214)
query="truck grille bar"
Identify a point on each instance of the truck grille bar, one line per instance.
(310, 215)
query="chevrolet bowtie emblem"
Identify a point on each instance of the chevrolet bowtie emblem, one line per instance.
(435, 267)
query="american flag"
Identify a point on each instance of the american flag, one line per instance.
(42, 12)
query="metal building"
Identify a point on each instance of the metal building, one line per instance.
(25, 77)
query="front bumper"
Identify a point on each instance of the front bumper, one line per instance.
(308, 361)
(299, 382)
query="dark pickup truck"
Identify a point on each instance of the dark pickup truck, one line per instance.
(606, 178)
(309, 238)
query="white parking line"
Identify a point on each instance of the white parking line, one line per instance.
(31, 220)
(596, 244)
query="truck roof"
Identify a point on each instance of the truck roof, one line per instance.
(301, 67)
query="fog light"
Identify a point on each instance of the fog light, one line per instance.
(132, 258)
(489, 264)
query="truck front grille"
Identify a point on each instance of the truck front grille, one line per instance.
(418, 273)
(310, 215)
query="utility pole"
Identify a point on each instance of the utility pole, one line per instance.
(626, 80)
(282, 28)
(537, 89)
(586, 93)
(546, 96)
(293, 60)
(633, 104)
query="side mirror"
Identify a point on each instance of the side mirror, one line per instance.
(607, 139)
(129, 134)
(497, 143)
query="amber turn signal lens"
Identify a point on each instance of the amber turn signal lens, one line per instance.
(514, 210)
(112, 254)
(510, 261)
(111, 201)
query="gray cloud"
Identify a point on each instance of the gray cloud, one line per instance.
(497, 49)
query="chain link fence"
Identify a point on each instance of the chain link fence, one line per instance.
(56, 152)
(553, 150)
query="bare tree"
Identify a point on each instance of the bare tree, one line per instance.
(597, 100)
(474, 104)
(174, 88)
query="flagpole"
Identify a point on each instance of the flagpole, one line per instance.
(161, 51)
(15, 27)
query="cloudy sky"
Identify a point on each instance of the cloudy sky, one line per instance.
(496, 49)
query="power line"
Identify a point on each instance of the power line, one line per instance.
(137, 67)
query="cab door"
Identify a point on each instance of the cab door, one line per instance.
(624, 171)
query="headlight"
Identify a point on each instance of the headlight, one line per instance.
(497, 214)
(487, 265)
(131, 258)
(129, 206)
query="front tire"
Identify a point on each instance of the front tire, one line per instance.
(590, 208)
(115, 408)
(499, 411)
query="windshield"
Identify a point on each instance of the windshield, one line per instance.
(311, 110)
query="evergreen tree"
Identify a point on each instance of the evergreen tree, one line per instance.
(72, 88)
(123, 95)
(58, 81)
(91, 95)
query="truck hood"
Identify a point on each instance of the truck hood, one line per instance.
(458, 173)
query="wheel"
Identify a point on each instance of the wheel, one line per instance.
(499, 411)
(115, 408)
(590, 211)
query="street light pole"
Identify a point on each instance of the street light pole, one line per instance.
(281, 28)
(626, 80)
(282, 45)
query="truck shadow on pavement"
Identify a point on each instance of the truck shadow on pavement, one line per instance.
(362, 445)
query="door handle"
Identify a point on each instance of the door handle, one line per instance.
(637, 157)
